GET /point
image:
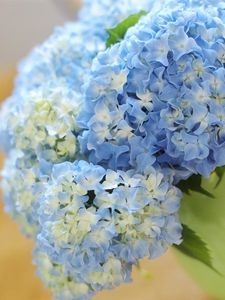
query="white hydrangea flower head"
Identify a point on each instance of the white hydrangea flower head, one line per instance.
(45, 125)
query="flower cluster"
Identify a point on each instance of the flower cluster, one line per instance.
(97, 223)
(97, 138)
(159, 96)
(40, 117)
(46, 127)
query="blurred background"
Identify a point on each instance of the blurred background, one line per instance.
(23, 24)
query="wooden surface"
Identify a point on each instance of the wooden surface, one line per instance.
(19, 282)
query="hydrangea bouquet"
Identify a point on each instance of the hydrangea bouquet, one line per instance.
(113, 120)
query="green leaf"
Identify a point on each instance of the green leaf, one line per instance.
(117, 33)
(206, 217)
(194, 183)
(195, 247)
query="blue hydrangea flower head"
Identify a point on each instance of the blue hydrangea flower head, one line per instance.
(96, 138)
(97, 223)
(157, 98)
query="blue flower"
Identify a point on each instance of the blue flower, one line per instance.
(40, 117)
(159, 49)
(97, 223)
(96, 138)
(180, 43)
(170, 80)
